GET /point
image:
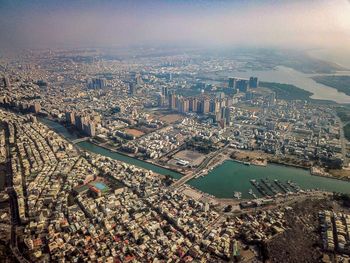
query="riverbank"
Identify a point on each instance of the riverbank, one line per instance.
(254, 157)
(233, 176)
(102, 145)
(227, 176)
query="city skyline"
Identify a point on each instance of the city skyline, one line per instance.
(175, 131)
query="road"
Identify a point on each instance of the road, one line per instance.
(199, 169)
(76, 141)
(15, 220)
(343, 140)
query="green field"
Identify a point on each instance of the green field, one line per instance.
(341, 83)
(286, 91)
(344, 113)
(347, 131)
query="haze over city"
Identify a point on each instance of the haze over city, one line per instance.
(301, 24)
(175, 131)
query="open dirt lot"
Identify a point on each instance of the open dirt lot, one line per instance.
(171, 118)
(193, 157)
(134, 132)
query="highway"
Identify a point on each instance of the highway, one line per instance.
(76, 141)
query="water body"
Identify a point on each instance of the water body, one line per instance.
(339, 56)
(227, 177)
(290, 76)
(117, 156)
(59, 128)
(232, 176)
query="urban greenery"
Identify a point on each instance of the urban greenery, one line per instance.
(347, 131)
(286, 91)
(344, 113)
(341, 83)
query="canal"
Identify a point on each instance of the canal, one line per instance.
(227, 177)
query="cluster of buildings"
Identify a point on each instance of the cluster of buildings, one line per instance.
(335, 231)
(87, 207)
(250, 119)
(217, 108)
(305, 132)
(243, 85)
(84, 207)
(155, 144)
(2, 146)
(84, 123)
(97, 83)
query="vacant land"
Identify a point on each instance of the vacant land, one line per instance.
(193, 157)
(301, 242)
(341, 83)
(134, 132)
(171, 118)
(286, 91)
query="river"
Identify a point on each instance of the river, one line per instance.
(227, 177)
(290, 76)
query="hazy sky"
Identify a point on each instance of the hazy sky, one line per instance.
(44, 23)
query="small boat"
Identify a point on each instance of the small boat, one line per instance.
(251, 192)
(237, 195)
(246, 163)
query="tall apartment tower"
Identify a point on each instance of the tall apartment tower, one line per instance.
(253, 82)
(70, 117)
(7, 83)
(172, 101)
(232, 83)
(132, 88)
(206, 106)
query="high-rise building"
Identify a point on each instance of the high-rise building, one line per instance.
(7, 83)
(242, 85)
(132, 88)
(138, 79)
(217, 116)
(90, 128)
(206, 106)
(232, 83)
(70, 117)
(272, 99)
(172, 101)
(227, 115)
(253, 82)
(200, 106)
(193, 105)
(161, 100)
(165, 91)
(229, 102)
(183, 105)
(80, 121)
(98, 83)
(216, 105)
(35, 108)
